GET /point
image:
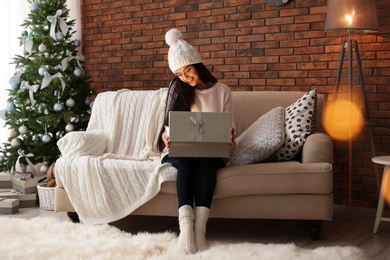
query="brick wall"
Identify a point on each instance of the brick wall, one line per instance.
(248, 45)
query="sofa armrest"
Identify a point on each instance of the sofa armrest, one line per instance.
(92, 143)
(318, 148)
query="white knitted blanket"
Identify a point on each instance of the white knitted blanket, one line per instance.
(113, 167)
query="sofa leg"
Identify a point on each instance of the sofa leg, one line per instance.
(315, 229)
(73, 216)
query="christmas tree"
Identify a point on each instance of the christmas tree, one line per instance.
(49, 94)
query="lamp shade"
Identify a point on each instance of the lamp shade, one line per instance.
(358, 16)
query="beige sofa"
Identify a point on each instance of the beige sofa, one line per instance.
(297, 190)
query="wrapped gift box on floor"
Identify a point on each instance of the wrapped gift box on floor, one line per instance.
(5, 180)
(199, 134)
(9, 206)
(25, 200)
(24, 183)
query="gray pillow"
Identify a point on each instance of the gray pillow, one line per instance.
(261, 139)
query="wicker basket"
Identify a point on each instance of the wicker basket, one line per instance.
(46, 196)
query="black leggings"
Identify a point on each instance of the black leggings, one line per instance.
(196, 178)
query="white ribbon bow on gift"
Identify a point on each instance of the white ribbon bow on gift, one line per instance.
(32, 89)
(22, 154)
(15, 79)
(48, 78)
(69, 57)
(53, 21)
(28, 44)
(197, 120)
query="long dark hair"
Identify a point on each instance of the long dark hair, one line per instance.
(181, 96)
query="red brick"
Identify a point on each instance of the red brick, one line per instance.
(197, 14)
(266, 29)
(295, 27)
(253, 67)
(309, 34)
(212, 5)
(293, 74)
(224, 11)
(318, 10)
(264, 74)
(265, 44)
(299, 59)
(265, 14)
(310, 81)
(224, 68)
(279, 51)
(281, 82)
(279, 21)
(252, 82)
(270, 59)
(294, 12)
(310, 18)
(309, 50)
(281, 67)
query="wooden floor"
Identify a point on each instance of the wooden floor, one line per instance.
(339, 232)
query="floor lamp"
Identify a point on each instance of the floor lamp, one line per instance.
(353, 17)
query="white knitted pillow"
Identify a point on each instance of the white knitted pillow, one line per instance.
(261, 139)
(300, 121)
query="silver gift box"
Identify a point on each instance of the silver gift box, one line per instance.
(5, 180)
(199, 134)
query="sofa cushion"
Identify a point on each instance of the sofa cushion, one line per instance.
(274, 178)
(300, 121)
(269, 178)
(261, 139)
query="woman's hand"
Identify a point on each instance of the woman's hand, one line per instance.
(233, 136)
(165, 136)
(233, 143)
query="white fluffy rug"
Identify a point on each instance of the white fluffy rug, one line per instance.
(50, 238)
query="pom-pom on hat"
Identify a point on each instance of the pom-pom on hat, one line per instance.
(180, 53)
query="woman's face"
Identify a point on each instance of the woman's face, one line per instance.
(189, 75)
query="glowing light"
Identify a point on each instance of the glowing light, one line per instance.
(349, 18)
(386, 185)
(343, 120)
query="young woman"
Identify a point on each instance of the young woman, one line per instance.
(194, 89)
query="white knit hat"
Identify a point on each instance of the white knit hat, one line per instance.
(180, 53)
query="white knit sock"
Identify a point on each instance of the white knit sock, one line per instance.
(201, 217)
(186, 224)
